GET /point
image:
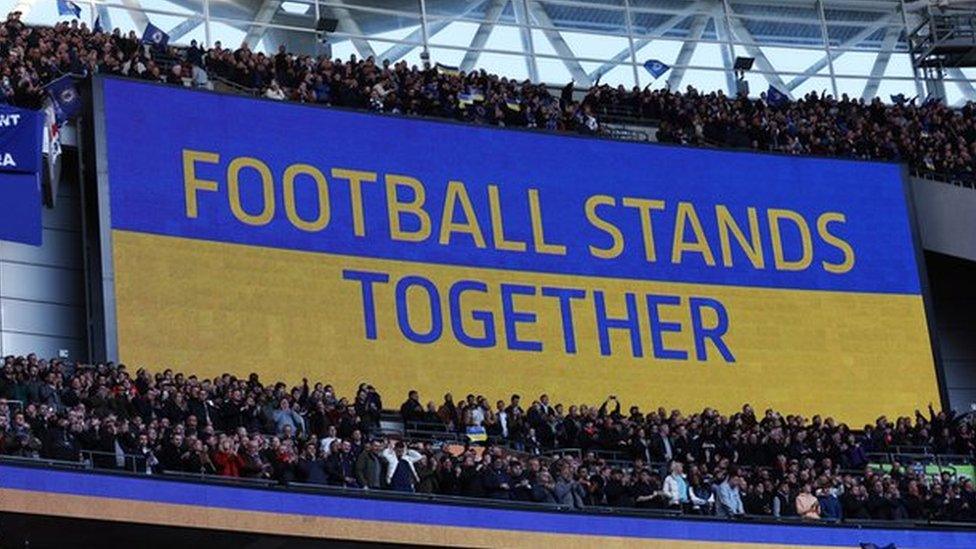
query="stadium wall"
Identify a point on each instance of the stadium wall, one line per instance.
(139, 499)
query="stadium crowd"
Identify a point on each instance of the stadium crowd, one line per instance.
(577, 456)
(929, 136)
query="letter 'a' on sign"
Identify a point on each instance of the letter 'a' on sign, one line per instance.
(436, 262)
(20, 175)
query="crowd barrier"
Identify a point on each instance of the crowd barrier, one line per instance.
(319, 512)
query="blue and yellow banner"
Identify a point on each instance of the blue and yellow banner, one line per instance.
(297, 241)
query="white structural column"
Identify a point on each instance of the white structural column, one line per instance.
(687, 50)
(349, 24)
(833, 53)
(752, 48)
(964, 84)
(825, 36)
(481, 35)
(559, 44)
(139, 17)
(525, 33)
(181, 30)
(881, 63)
(396, 51)
(723, 28)
(261, 19)
(645, 39)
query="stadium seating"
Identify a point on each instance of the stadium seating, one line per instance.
(931, 138)
(579, 457)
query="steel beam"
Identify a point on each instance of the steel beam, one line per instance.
(349, 25)
(656, 32)
(525, 33)
(881, 63)
(963, 82)
(568, 57)
(395, 52)
(825, 61)
(135, 11)
(725, 36)
(264, 14)
(104, 18)
(687, 50)
(181, 30)
(480, 37)
(754, 51)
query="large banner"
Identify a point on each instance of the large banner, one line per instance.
(20, 163)
(295, 241)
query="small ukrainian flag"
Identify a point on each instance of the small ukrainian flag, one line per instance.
(477, 434)
(447, 69)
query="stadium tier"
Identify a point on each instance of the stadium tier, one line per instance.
(281, 299)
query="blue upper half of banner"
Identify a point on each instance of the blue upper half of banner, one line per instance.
(20, 139)
(20, 195)
(233, 169)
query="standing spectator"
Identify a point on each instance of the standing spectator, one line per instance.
(400, 473)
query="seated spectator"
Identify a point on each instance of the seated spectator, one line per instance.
(807, 504)
(728, 499)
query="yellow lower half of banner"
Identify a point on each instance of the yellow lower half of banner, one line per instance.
(208, 308)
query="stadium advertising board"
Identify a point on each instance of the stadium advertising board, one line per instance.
(296, 241)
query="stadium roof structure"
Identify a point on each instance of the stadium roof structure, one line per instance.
(857, 47)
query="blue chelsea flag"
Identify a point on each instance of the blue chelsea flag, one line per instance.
(656, 68)
(155, 36)
(775, 98)
(64, 96)
(67, 7)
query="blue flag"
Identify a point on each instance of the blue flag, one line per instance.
(97, 27)
(656, 68)
(155, 36)
(899, 99)
(775, 98)
(67, 7)
(65, 98)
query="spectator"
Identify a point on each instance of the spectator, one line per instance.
(412, 411)
(676, 487)
(807, 505)
(369, 466)
(285, 418)
(400, 473)
(728, 501)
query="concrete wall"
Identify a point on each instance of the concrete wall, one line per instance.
(42, 299)
(946, 218)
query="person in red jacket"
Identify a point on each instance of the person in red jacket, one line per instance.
(228, 462)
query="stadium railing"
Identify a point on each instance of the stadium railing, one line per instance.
(296, 487)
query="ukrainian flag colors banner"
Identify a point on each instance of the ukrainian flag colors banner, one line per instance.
(294, 241)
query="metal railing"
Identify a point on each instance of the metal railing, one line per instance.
(440, 499)
(133, 463)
